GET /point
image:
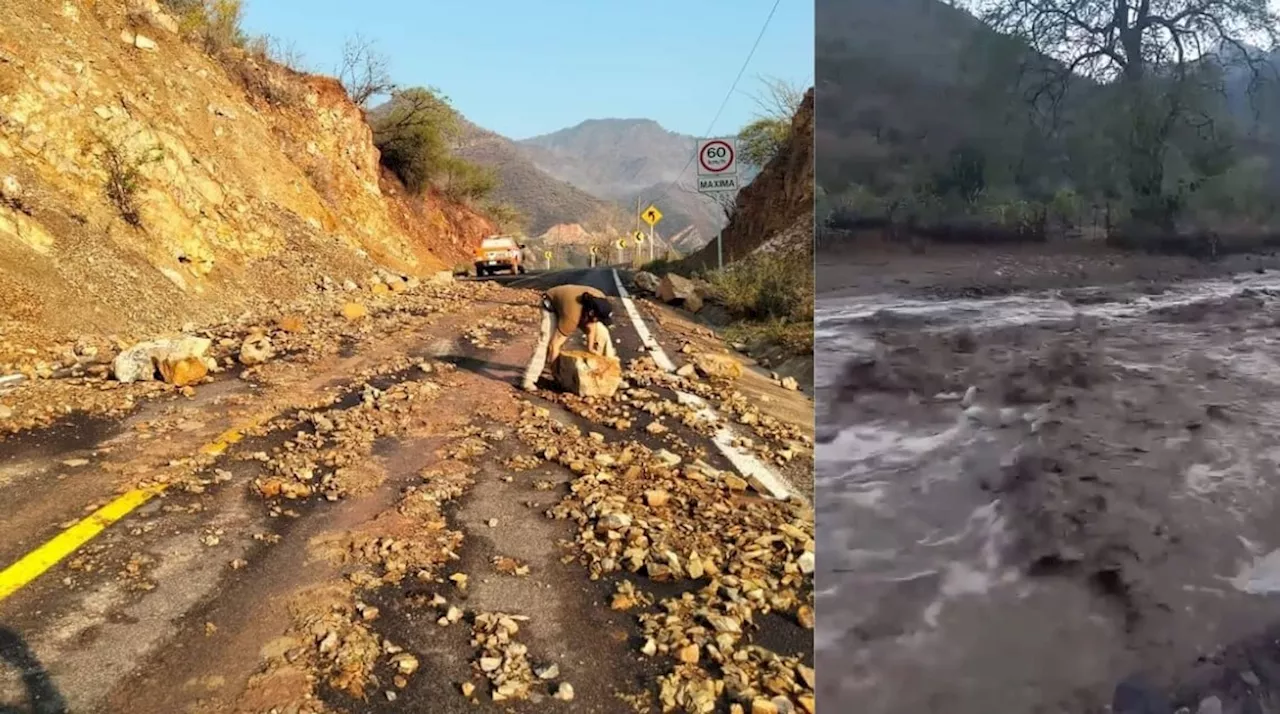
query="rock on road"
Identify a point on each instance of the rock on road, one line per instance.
(377, 519)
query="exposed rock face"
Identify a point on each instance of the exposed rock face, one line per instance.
(779, 199)
(253, 181)
(588, 375)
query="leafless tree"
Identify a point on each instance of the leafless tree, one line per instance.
(777, 98)
(1153, 52)
(364, 72)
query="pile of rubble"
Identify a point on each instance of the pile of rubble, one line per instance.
(657, 514)
(504, 660)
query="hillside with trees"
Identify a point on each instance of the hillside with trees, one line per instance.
(1007, 120)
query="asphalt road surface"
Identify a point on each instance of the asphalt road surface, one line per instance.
(330, 531)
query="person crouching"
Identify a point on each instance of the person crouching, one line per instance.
(565, 309)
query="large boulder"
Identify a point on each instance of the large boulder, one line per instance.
(140, 362)
(184, 371)
(646, 282)
(588, 375)
(714, 366)
(679, 291)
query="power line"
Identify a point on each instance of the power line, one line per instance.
(728, 95)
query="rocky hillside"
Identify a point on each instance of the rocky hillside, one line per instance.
(545, 200)
(612, 158)
(775, 211)
(146, 184)
(626, 160)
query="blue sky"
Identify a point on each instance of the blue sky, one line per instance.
(529, 68)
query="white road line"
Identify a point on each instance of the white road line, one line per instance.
(754, 470)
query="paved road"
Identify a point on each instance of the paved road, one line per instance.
(311, 516)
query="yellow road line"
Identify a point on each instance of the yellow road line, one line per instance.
(37, 562)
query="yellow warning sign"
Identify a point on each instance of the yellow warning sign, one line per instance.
(651, 215)
(622, 242)
(639, 236)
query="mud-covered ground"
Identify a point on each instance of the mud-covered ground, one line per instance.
(1062, 500)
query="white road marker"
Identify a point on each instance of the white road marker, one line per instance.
(761, 477)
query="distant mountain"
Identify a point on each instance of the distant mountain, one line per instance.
(626, 159)
(612, 158)
(545, 200)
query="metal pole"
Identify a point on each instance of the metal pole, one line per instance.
(719, 250)
(651, 243)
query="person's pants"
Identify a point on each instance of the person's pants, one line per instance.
(546, 336)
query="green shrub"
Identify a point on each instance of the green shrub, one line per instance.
(462, 180)
(413, 133)
(124, 178)
(767, 287)
(508, 218)
(215, 24)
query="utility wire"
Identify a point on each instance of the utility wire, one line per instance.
(728, 95)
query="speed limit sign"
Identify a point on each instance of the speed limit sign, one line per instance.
(717, 166)
(717, 157)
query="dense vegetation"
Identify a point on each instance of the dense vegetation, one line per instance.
(929, 118)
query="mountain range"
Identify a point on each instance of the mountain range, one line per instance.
(587, 180)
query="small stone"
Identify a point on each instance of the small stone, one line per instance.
(615, 521)
(74, 463)
(1210, 705)
(490, 664)
(565, 692)
(806, 562)
(492, 522)
(354, 311)
(468, 689)
(656, 498)
(735, 483)
(666, 457)
(790, 384)
(763, 706)
(687, 370)
(551, 671)
(688, 654)
(255, 350)
(405, 663)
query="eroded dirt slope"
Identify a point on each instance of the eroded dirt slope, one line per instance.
(252, 182)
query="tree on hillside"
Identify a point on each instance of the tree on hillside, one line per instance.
(1153, 54)
(364, 71)
(777, 102)
(414, 133)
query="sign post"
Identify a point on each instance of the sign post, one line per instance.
(593, 256)
(622, 245)
(640, 239)
(650, 215)
(717, 175)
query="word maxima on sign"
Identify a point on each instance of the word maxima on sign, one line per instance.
(714, 184)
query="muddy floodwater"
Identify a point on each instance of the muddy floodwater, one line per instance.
(1058, 501)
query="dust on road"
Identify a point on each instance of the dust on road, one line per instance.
(1038, 495)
